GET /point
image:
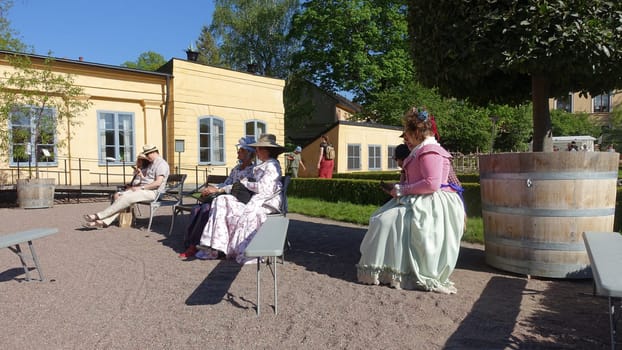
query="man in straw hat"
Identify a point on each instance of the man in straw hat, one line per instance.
(232, 224)
(150, 187)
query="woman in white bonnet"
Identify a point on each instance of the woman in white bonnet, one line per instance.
(200, 213)
(232, 224)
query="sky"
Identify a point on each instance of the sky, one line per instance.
(110, 31)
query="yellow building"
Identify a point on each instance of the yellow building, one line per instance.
(358, 147)
(194, 113)
(600, 107)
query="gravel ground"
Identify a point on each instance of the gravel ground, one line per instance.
(127, 289)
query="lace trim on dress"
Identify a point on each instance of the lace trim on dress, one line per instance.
(367, 274)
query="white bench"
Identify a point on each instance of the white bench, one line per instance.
(269, 242)
(605, 253)
(15, 239)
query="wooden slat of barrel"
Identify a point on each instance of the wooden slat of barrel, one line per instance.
(535, 207)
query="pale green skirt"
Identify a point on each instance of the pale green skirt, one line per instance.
(413, 242)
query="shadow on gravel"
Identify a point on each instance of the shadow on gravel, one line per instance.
(571, 317)
(11, 274)
(323, 248)
(215, 287)
(490, 323)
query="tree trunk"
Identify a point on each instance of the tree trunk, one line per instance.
(542, 130)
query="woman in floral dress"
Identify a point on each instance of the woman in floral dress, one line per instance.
(233, 224)
(200, 212)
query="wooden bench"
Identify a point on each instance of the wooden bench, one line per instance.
(15, 239)
(605, 253)
(269, 241)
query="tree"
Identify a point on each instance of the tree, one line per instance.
(508, 51)
(358, 47)
(8, 37)
(149, 60)
(568, 124)
(208, 51)
(255, 33)
(38, 108)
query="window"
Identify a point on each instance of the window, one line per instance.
(564, 103)
(255, 128)
(391, 163)
(373, 157)
(27, 146)
(602, 103)
(116, 137)
(211, 140)
(354, 157)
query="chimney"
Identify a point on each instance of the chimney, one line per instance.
(81, 59)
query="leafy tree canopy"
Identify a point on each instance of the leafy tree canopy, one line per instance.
(358, 47)
(508, 51)
(149, 60)
(255, 32)
(9, 38)
(568, 124)
(208, 51)
(486, 50)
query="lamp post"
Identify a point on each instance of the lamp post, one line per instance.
(179, 148)
(108, 160)
(493, 119)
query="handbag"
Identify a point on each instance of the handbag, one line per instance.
(205, 199)
(241, 193)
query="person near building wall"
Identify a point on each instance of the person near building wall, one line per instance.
(325, 166)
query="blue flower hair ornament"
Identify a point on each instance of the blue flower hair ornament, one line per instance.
(422, 115)
(244, 143)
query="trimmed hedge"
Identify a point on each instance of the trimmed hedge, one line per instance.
(368, 192)
(365, 192)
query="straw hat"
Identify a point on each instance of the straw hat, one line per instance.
(268, 140)
(149, 149)
(142, 156)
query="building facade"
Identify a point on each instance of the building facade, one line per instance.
(358, 147)
(194, 113)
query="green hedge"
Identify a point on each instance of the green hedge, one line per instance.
(392, 176)
(368, 192)
(365, 192)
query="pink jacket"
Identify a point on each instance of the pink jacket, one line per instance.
(426, 170)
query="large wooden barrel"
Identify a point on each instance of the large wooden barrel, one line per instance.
(35, 193)
(536, 206)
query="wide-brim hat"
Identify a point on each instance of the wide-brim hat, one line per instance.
(268, 140)
(142, 156)
(149, 149)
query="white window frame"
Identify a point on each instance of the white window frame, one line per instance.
(214, 146)
(354, 160)
(391, 162)
(34, 151)
(569, 104)
(607, 96)
(374, 157)
(123, 131)
(258, 127)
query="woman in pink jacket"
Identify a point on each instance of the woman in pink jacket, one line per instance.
(414, 239)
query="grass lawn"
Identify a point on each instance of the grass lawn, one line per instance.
(359, 214)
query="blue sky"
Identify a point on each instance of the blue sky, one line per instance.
(110, 31)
